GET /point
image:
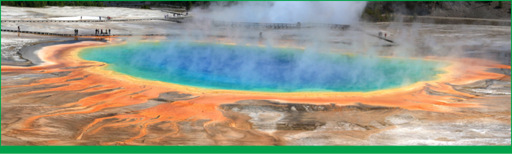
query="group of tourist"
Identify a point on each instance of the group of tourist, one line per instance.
(385, 35)
(101, 32)
(98, 31)
(108, 17)
(175, 15)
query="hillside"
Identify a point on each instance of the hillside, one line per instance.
(380, 11)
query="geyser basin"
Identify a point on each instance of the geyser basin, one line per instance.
(250, 68)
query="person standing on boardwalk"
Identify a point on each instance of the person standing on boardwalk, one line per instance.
(80, 17)
(109, 32)
(100, 18)
(101, 32)
(19, 29)
(96, 32)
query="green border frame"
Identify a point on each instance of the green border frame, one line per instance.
(254, 149)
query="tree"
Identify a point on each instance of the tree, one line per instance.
(145, 7)
(189, 5)
(500, 5)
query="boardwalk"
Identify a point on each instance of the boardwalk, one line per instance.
(64, 34)
(278, 25)
(181, 19)
(112, 20)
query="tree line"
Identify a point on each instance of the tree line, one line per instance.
(51, 3)
(186, 4)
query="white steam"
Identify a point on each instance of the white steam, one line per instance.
(332, 12)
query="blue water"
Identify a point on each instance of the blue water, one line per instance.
(218, 66)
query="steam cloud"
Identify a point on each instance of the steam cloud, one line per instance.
(345, 12)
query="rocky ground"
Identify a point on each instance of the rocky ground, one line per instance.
(258, 122)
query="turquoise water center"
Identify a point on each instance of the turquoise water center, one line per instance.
(252, 68)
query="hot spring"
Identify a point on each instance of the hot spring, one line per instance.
(266, 69)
